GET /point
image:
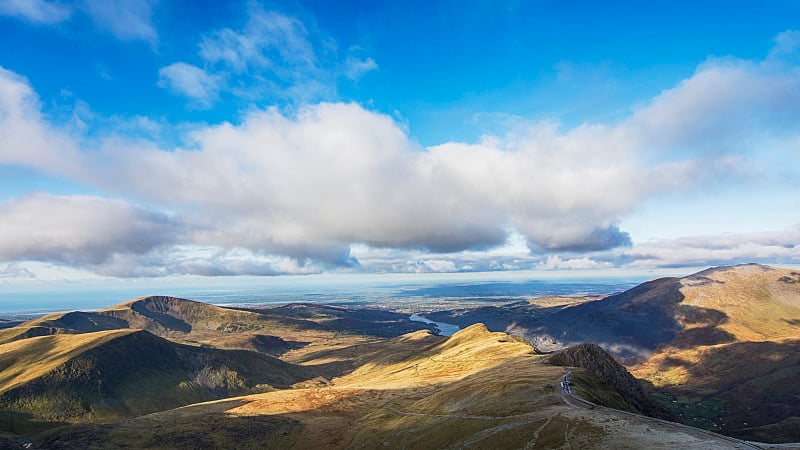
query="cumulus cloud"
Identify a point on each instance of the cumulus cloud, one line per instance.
(338, 185)
(310, 185)
(35, 11)
(726, 106)
(431, 265)
(192, 260)
(275, 57)
(27, 139)
(192, 82)
(80, 230)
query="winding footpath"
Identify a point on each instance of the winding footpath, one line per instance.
(572, 399)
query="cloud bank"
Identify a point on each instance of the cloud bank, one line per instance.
(331, 185)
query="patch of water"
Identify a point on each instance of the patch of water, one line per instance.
(445, 329)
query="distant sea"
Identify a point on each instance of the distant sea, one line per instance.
(374, 291)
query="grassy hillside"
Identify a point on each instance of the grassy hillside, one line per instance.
(477, 389)
(720, 346)
(115, 374)
(719, 349)
(291, 331)
(69, 323)
(735, 365)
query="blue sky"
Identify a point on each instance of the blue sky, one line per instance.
(150, 139)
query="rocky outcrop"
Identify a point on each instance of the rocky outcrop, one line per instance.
(611, 376)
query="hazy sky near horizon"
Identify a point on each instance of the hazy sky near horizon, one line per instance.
(143, 138)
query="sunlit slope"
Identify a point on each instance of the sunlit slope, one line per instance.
(115, 374)
(298, 329)
(69, 322)
(470, 350)
(735, 364)
(25, 360)
(477, 389)
(173, 316)
(751, 303)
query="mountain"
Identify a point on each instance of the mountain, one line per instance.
(721, 347)
(297, 328)
(718, 349)
(735, 364)
(113, 374)
(476, 389)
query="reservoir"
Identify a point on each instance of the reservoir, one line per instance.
(445, 329)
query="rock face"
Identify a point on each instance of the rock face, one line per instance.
(610, 374)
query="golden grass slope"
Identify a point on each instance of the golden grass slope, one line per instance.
(723, 307)
(25, 360)
(760, 303)
(476, 389)
(735, 365)
(470, 350)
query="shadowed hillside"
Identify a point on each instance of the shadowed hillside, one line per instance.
(115, 374)
(630, 325)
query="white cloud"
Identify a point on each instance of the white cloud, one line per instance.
(431, 265)
(275, 57)
(270, 40)
(555, 262)
(36, 11)
(312, 184)
(786, 42)
(27, 139)
(295, 191)
(770, 247)
(727, 106)
(192, 82)
(127, 20)
(79, 230)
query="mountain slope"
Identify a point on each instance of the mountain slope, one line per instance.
(735, 366)
(476, 389)
(116, 374)
(722, 345)
(296, 329)
(608, 376)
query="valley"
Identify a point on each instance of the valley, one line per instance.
(717, 350)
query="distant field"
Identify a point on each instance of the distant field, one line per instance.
(403, 294)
